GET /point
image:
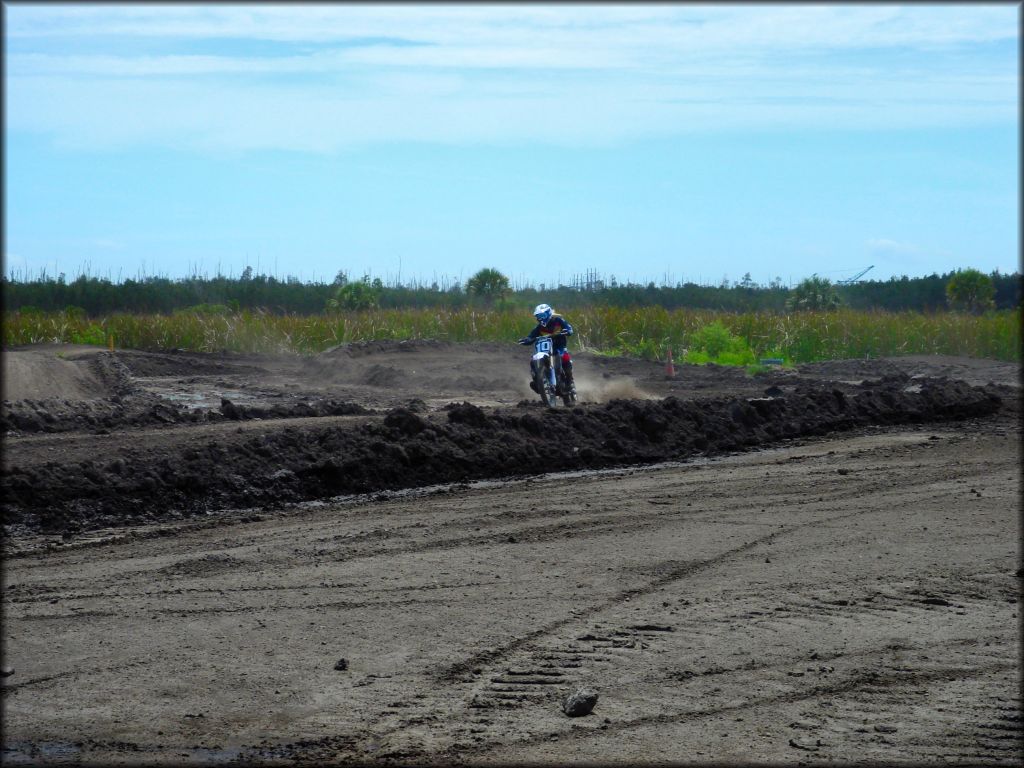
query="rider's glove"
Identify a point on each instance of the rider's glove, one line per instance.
(524, 340)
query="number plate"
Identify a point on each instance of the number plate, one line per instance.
(543, 345)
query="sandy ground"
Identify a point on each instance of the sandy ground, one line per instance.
(850, 596)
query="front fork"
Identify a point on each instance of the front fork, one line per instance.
(543, 361)
(554, 366)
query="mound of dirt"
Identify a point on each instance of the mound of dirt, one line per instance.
(375, 348)
(969, 369)
(54, 388)
(148, 364)
(53, 371)
(405, 449)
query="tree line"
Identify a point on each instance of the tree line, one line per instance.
(487, 288)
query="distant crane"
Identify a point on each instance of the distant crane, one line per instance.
(856, 277)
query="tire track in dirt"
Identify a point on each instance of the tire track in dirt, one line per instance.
(992, 728)
(860, 699)
(457, 672)
(602, 646)
(523, 656)
(530, 658)
(13, 687)
(595, 524)
(48, 597)
(461, 672)
(671, 575)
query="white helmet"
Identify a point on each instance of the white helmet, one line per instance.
(543, 313)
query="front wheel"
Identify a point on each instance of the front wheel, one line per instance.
(548, 397)
(542, 386)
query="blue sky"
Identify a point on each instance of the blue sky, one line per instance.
(423, 142)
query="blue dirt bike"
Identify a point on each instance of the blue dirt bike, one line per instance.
(547, 379)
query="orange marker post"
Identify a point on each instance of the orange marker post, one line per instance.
(670, 368)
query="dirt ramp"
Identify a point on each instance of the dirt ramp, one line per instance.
(61, 371)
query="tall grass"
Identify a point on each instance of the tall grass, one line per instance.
(647, 332)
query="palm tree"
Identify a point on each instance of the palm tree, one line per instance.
(360, 294)
(489, 284)
(813, 293)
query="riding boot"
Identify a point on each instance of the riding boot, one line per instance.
(567, 373)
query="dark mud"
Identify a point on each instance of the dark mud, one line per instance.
(408, 448)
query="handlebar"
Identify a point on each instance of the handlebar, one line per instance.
(526, 341)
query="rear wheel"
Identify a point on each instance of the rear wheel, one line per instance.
(566, 387)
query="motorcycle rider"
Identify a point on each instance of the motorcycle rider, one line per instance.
(557, 327)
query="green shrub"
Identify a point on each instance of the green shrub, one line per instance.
(714, 343)
(92, 334)
(714, 339)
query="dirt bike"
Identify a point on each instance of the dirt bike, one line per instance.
(548, 379)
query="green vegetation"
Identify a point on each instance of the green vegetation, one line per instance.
(489, 285)
(647, 332)
(714, 343)
(100, 296)
(814, 293)
(737, 324)
(361, 294)
(971, 290)
(205, 309)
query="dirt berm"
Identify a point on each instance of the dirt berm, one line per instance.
(313, 459)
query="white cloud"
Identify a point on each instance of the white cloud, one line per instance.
(884, 244)
(564, 74)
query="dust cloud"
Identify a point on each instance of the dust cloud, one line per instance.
(602, 390)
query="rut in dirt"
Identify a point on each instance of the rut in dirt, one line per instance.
(406, 449)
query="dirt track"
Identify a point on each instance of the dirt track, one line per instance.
(842, 591)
